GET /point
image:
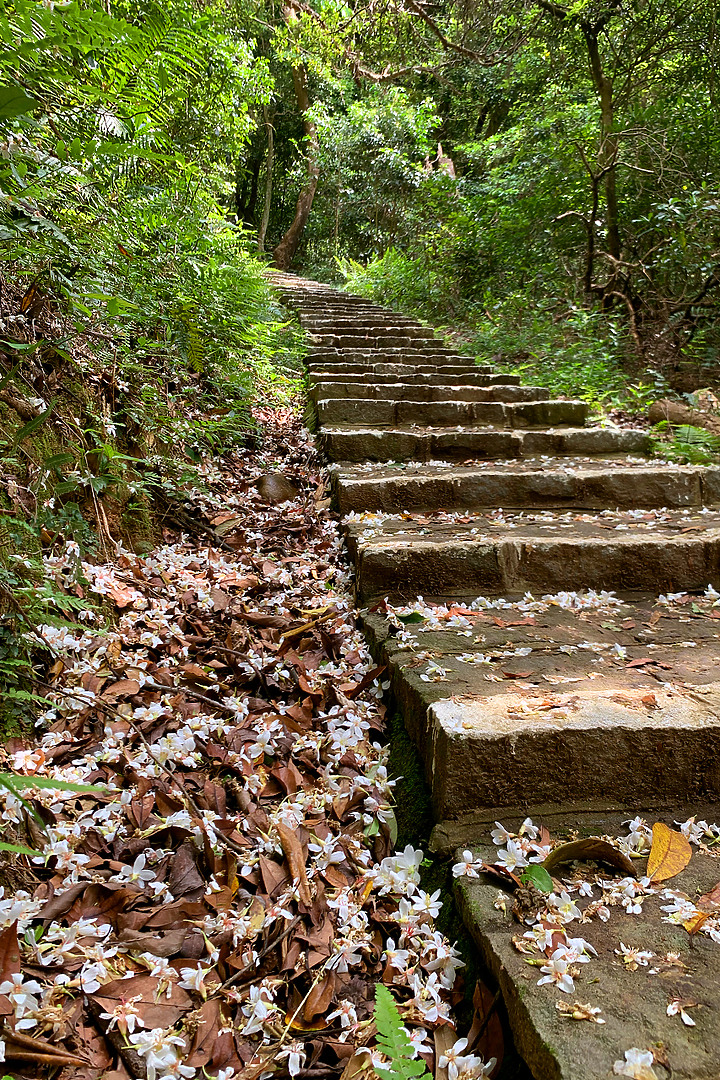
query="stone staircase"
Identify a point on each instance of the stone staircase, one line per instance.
(456, 482)
(543, 594)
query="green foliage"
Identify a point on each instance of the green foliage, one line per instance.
(400, 282)
(28, 598)
(687, 444)
(393, 1041)
(14, 783)
(538, 876)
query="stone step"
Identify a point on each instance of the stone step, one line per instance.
(477, 377)
(382, 328)
(431, 391)
(410, 349)
(356, 331)
(399, 372)
(323, 314)
(424, 365)
(552, 701)
(498, 414)
(346, 304)
(587, 484)
(409, 359)
(453, 554)
(633, 1003)
(337, 321)
(355, 444)
(377, 341)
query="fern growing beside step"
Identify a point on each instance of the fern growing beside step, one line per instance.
(393, 1041)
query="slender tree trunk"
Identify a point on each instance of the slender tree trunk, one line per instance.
(608, 150)
(284, 252)
(246, 189)
(269, 161)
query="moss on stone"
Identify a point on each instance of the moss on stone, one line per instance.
(412, 796)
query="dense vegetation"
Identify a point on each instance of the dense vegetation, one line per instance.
(543, 176)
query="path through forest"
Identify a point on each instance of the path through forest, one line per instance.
(545, 598)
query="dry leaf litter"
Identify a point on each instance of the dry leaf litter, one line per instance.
(224, 905)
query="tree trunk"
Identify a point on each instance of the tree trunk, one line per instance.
(608, 149)
(269, 161)
(284, 252)
(246, 189)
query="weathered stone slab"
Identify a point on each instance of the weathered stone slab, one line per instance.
(398, 339)
(348, 379)
(443, 556)
(444, 413)
(357, 444)
(437, 390)
(368, 370)
(633, 1003)
(619, 701)
(592, 485)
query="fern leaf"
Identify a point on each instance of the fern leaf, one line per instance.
(393, 1041)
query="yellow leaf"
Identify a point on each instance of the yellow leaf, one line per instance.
(693, 924)
(670, 853)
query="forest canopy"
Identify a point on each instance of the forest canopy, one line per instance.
(448, 156)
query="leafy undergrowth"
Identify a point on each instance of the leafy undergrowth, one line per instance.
(107, 409)
(574, 351)
(225, 905)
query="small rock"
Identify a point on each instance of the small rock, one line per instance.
(275, 487)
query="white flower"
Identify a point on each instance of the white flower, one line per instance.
(637, 1064)
(399, 873)
(446, 960)
(459, 1064)
(581, 948)
(695, 831)
(512, 857)
(425, 904)
(345, 956)
(633, 958)
(175, 1069)
(427, 999)
(396, 958)
(158, 1048)
(23, 995)
(500, 835)
(556, 971)
(468, 866)
(295, 1054)
(135, 873)
(194, 979)
(527, 828)
(678, 1007)
(566, 908)
(125, 1015)
(346, 1013)
(418, 1040)
(257, 1009)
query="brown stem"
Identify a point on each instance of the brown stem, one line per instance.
(285, 251)
(269, 161)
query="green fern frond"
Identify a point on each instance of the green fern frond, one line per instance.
(393, 1041)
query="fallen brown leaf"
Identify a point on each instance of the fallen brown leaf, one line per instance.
(592, 848)
(710, 901)
(296, 861)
